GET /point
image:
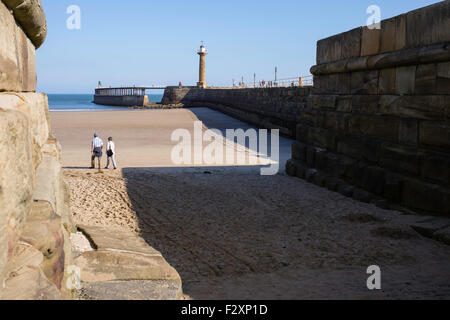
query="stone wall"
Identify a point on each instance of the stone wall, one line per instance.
(272, 108)
(35, 220)
(377, 124)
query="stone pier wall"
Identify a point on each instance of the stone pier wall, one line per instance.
(272, 108)
(377, 124)
(35, 219)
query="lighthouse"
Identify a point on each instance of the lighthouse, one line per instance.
(202, 53)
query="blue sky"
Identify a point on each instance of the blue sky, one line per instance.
(145, 42)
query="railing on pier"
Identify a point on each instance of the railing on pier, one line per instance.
(303, 81)
(125, 91)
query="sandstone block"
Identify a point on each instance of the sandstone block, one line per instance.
(17, 56)
(436, 167)
(299, 151)
(443, 78)
(428, 25)
(425, 79)
(370, 41)
(435, 134)
(35, 107)
(387, 81)
(400, 159)
(121, 255)
(426, 197)
(329, 49)
(405, 80)
(31, 17)
(133, 290)
(385, 128)
(351, 44)
(44, 231)
(358, 148)
(16, 179)
(388, 35)
(364, 82)
(25, 280)
(409, 131)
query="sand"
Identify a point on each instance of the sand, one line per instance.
(234, 234)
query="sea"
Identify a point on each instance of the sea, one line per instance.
(83, 102)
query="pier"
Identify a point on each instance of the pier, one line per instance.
(123, 96)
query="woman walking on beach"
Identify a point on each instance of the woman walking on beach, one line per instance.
(96, 150)
(111, 153)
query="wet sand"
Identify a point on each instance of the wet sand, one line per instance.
(234, 234)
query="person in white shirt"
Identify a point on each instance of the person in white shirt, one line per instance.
(111, 153)
(96, 150)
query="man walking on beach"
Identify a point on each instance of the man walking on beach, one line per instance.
(111, 153)
(96, 150)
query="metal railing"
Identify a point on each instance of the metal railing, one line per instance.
(303, 81)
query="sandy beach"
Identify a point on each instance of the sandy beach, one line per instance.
(234, 234)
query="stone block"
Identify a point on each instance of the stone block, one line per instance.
(365, 103)
(436, 168)
(44, 231)
(406, 80)
(393, 187)
(329, 49)
(121, 256)
(351, 44)
(373, 179)
(400, 159)
(425, 79)
(385, 128)
(299, 151)
(346, 190)
(417, 106)
(35, 107)
(443, 235)
(302, 133)
(311, 155)
(344, 103)
(388, 35)
(322, 138)
(17, 56)
(290, 167)
(16, 179)
(362, 195)
(387, 81)
(25, 280)
(370, 41)
(426, 197)
(428, 25)
(358, 148)
(409, 131)
(301, 170)
(435, 134)
(48, 178)
(400, 32)
(443, 78)
(133, 290)
(364, 82)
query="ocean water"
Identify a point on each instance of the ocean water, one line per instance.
(83, 102)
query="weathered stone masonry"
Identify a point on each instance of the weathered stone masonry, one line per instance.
(274, 108)
(35, 219)
(376, 124)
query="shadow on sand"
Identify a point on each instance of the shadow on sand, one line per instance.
(200, 224)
